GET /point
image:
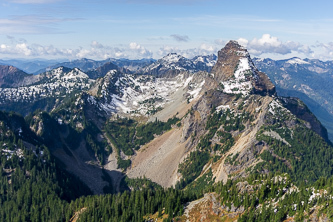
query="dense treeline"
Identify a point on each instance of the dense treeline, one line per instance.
(133, 206)
(128, 135)
(34, 188)
(306, 157)
(274, 197)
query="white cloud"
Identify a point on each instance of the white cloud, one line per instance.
(21, 48)
(208, 48)
(271, 44)
(324, 51)
(142, 51)
(167, 49)
(243, 42)
(97, 45)
(267, 45)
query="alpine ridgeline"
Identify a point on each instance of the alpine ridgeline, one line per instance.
(308, 79)
(176, 125)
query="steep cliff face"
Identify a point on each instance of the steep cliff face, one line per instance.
(236, 73)
(299, 109)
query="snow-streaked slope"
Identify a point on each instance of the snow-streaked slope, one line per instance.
(297, 61)
(241, 81)
(58, 82)
(143, 95)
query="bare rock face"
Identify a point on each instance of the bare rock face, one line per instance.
(235, 70)
(227, 61)
(299, 109)
(11, 76)
(263, 85)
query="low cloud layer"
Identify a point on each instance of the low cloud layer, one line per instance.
(271, 44)
(21, 48)
(139, 49)
(267, 44)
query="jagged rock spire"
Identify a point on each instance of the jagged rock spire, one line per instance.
(235, 70)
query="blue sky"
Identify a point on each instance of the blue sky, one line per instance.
(101, 29)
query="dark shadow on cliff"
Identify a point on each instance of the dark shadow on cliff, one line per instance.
(322, 114)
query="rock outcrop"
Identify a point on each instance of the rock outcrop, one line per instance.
(235, 70)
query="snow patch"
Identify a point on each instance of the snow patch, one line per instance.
(241, 83)
(222, 107)
(297, 61)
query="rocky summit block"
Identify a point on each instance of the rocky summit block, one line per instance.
(235, 71)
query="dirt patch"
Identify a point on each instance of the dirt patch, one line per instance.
(77, 215)
(159, 159)
(209, 208)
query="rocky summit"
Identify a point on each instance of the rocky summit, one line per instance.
(236, 71)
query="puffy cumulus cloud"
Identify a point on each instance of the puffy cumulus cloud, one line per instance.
(271, 44)
(168, 49)
(96, 50)
(207, 48)
(180, 38)
(142, 51)
(22, 48)
(324, 51)
(35, 50)
(97, 45)
(243, 42)
(103, 51)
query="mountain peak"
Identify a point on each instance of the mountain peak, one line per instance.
(235, 70)
(296, 60)
(234, 45)
(172, 57)
(11, 76)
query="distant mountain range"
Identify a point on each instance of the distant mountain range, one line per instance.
(311, 80)
(132, 66)
(30, 66)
